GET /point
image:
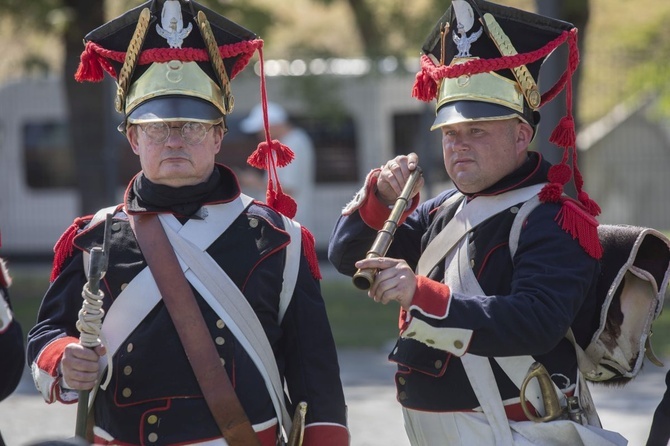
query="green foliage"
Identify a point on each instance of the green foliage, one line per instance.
(648, 53)
(356, 320)
(28, 287)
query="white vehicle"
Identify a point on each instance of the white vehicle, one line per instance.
(377, 119)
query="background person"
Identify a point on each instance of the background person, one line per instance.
(298, 179)
(237, 250)
(476, 314)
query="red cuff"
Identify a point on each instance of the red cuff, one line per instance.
(375, 213)
(326, 435)
(50, 357)
(431, 297)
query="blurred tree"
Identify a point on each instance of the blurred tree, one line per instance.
(649, 55)
(392, 27)
(70, 20)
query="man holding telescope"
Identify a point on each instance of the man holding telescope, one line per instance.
(479, 309)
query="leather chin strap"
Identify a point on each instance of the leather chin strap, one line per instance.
(195, 338)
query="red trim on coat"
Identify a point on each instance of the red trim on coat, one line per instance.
(326, 435)
(51, 355)
(431, 297)
(488, 256)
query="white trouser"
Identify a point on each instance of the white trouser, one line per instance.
(471, 428)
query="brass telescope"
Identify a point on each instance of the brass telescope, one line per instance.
(364, 278)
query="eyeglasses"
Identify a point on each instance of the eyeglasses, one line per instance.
(192, 132)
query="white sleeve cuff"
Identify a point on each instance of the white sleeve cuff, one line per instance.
(452, 340)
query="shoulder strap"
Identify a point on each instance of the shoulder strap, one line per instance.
(466, 219)
(210, 280)
(291, 266)
(584, 363)
(189, 322)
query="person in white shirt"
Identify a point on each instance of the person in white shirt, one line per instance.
(299, 177)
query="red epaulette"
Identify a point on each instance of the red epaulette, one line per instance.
(577, 221)
(309, 251)
(64, 247)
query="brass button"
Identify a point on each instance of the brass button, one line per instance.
(402, 396)
(534, 98)
(116, 226)
(430, 341)
(219, 340)
(402, 381)
(153, 437)
(472, 263)
(438, 364)
(127, 392)
(123, 286)
(127, 370)
(411, 334)
(223, 361)
(514, 210)
(253, 222)
(458, 344)
(220, 323)
(129, 347)
(153, 419)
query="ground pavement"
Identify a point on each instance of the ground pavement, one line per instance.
(374, 415)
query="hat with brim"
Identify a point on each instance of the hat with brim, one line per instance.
(175, 108)
(467, 111)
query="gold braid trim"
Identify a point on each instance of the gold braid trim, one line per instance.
(522, 75)
(132, 55)
(217, 61)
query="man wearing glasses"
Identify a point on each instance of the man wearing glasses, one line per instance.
(213, 327)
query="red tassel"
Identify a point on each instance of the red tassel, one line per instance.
(564, 133)
(551, 193)
(259, 157)
(282, 203)
(90, 66)
(582, 226)
(559, 173)
(309, 251)
(425, 87)
(282, 154)
(65, 247)
(589, 203)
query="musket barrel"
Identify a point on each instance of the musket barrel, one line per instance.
(364, 278)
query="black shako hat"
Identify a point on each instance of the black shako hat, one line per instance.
(174, 60)
(482, 61)
(496, 53)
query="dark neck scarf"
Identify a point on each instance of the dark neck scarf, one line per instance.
(185, 201)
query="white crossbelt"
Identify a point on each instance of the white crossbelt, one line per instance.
(214, 285)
